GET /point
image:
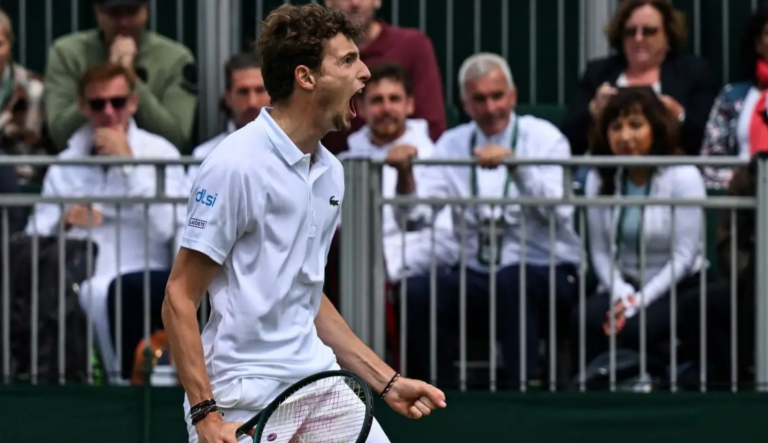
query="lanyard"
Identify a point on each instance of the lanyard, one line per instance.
(513, 146)
(622, 213)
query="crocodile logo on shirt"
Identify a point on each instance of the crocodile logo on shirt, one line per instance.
(334, 202)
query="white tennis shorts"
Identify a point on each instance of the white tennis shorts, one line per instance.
(243, 399)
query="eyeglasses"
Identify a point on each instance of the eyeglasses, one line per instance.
(646, 31)
(98, 104)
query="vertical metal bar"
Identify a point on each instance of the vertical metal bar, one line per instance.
(395, 12)
(582, 299)
(532, 58)
(34, 300)
(403, 301)
(754, 5)
(118, 293)
(612, 305)
(48, 23)
(23, 32)
(643, 310)
(673, 309)
(477, 27)
(89, 273)
(423, 16)
(505, 29)
(379, 281)
(153, 15)
(349, 226)
(552, 304)
(734, 306)
(433, 303)
(449, 82)
(582, 36)
(463, 301)
(259, 16)
(523, 303)
(492, 303)
(146, 317)
(761, 302)
(6, 311)
(75, 18)
(726, 40)
(697, 27)
(180, 21)
(561, 52)
(703, 307)
(364, 314)
(62, 241)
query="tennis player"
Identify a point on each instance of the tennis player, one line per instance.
(262, 212)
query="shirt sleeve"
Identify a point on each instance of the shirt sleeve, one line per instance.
(218, 209)
(688, 226)
(600, 248)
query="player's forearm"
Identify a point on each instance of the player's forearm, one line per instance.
(180, 321)
(351, 352)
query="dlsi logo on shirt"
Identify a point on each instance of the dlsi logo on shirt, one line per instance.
(204, 198)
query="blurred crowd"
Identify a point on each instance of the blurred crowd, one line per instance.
(122, 90)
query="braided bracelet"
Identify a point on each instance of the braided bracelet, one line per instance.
(390, 384)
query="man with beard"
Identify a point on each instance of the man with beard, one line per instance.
(166, 72)
(380, 42)
(244, 96)
(387, 103)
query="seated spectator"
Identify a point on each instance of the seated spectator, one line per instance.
(738, 123)
(244, 96)
(387, 103)
(21, 107)
(167, 85)
(380, 42)
(636, 122)
(108, 99)
(648, 37)
(521, 234)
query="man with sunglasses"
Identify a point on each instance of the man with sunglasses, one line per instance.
(167, 85)
(107, 101)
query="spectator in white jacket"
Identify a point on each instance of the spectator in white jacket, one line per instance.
(511, 241)
(244, 96)
(636, 123)
(127, 237)
(387, 102)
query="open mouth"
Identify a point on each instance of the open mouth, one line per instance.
(352, 109)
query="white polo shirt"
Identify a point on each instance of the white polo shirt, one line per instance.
(259, 209)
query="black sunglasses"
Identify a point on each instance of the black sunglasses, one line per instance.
(98, 104)
(646, 31)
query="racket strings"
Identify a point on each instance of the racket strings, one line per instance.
(329, 410)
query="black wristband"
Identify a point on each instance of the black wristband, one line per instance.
(390, 384)
(202, 409)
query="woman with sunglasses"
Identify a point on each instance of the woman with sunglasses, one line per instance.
(648, 37)
(639, 253)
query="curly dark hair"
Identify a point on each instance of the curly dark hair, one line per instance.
(674, 23)
(293, 36)
(628, 101)
(753, 32)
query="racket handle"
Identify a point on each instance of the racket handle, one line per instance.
(247, 426)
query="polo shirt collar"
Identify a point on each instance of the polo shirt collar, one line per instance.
(284, 145)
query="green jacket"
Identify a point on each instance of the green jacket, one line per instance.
(167, 93)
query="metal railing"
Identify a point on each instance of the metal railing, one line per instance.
(363, 275)
(68, 291)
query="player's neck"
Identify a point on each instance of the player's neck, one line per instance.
(295, 122)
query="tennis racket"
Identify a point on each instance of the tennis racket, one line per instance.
(331, 406)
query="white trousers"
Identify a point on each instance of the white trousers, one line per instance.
(244, 398)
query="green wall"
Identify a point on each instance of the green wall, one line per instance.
(135, 415)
